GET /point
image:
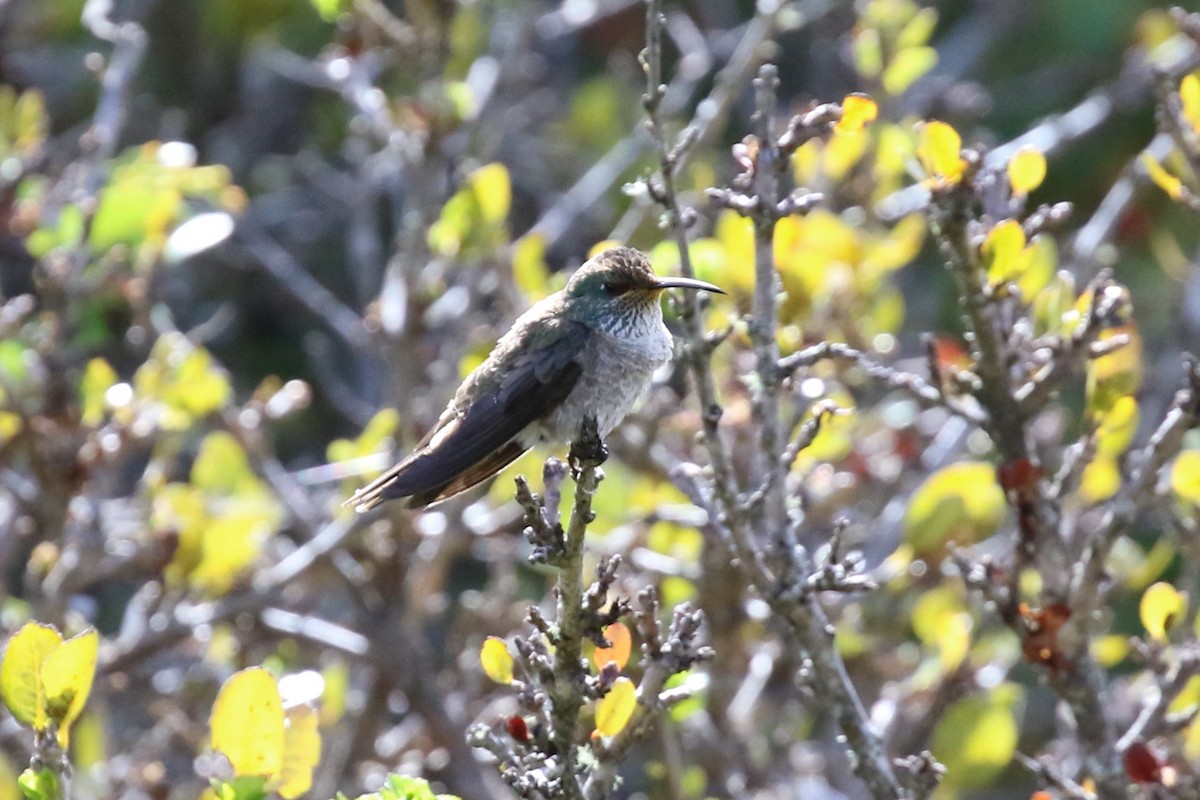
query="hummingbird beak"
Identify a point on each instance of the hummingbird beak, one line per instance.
(686, 283)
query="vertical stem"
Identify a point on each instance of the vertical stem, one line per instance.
(1083, 687)
(764, 309)
(569, 672)
(697, 350)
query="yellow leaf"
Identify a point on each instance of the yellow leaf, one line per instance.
(1188, 697)
(337, 686)
(1191, 741)
(868, 52)
(496, 661)
(1189, 97)
(1117, 427)
(615, 708)
(857, 111)
(1041, 261)
(98, 378)
(918, 29)
(1100, 480)
(1110, 650)
(1165, 180)
(1116, 374)
(976, 738)
(1185, 476)
(622, 644)
(941, 621)
(67, 675)
(301, 752)
(736, 235)
(961, 502)
(530, 272)
(1162, 606)
(247, 723)
(1004, 252)
(21, 673)
(843, 151)
(906, 67)
(8, 781)
(1026, 170)
(939, 149)
(493, 192)
(1152, 564)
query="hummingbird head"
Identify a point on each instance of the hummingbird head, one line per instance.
(617, 287)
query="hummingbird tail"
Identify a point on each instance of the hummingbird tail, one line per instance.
(419, 479)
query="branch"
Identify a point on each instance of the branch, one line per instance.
(915, 386)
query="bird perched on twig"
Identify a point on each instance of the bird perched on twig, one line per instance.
(586, 351)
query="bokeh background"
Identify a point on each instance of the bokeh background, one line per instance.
(248, 248)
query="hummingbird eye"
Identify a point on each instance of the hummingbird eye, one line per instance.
(613, 288)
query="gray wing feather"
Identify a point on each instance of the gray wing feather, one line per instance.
(540, 379)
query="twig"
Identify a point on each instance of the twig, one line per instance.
(569, 688)
(1053, 777)
(770, 164)
(712, 112)
(1040, 541)
(663, 659)
(914, 385)
(697, 350)
(99, 143)
(1131, 90)
(304, 288)
(1137, 489)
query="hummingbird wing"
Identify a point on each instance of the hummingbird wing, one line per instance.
(477, 437)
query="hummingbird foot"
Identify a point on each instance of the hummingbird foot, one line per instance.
(588, 449)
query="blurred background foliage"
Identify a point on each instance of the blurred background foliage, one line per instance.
(248, 249)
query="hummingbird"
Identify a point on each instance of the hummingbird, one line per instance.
(584, 353)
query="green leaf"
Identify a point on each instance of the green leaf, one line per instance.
(976, 738)
(328, 9)
(245, 787)
(962, 503)
(403, 787)
(41, 784)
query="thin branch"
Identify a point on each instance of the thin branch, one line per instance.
(290, 276)
(915, 386)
